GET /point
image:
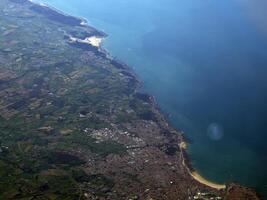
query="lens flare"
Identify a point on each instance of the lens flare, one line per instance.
(215, 131)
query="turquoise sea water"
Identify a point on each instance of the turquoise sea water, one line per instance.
(206, 64)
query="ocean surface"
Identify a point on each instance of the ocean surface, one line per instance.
(206, 64)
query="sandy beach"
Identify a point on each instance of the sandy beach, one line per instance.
(95, 41)
(183, 145)
(204, 181)
(194, 174)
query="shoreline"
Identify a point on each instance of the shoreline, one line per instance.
(207, 182)
(193, 173)
(95, 42)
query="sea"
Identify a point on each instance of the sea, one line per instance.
(205, 61)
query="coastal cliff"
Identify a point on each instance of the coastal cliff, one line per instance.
(73, 124)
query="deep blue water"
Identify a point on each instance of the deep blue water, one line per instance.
(206, 64)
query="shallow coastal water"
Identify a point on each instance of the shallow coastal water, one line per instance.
(205, 62)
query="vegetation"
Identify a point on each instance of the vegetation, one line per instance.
(72, 125)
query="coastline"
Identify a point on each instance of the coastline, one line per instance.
(95, 42)
(207, 182)
(192, 172)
